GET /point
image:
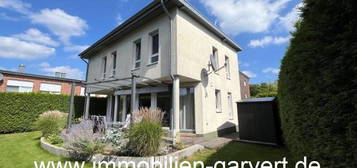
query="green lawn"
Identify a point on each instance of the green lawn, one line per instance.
(22, 149)
(238, 151)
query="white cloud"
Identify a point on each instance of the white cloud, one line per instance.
(76, 48)
(11, 47)
(60, 23)
(288, 21)
(268, 40)
(70, 72)
(271, 70)
(237, 16)
(8, 17)
(250, 74)
(36, 36)
(16, 5)
(244, 64)
(119, 19)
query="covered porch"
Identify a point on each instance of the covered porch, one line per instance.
(130, 94)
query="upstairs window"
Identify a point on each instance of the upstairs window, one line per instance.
(137, 55)
(215, 55)
(104, 67)
(218, 101)
(228, 69)
(154, 47)
(114, 56)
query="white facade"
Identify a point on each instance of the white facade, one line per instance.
(185, 47)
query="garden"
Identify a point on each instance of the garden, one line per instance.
(140, 136)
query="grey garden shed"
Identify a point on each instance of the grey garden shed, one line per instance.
(259, 121)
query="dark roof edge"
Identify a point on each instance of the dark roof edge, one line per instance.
(244, 74)
(120, 27)
(209, 25)
(40, 76)
(145, 11)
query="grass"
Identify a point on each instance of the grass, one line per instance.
(22, 149)
(238, 151)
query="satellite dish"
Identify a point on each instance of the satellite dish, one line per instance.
(204, 77)
(213, 63)
(1, 76)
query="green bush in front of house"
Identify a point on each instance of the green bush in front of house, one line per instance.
(145, 138)
(50, 123)
(18, 111)
(318, 85)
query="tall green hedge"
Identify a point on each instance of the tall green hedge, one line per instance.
(318, 85)
(19, 110)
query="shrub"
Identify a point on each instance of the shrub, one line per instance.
(145, 138)
(54, 139)
(18, 111)
(82, 141)
(50, 123)
(317, 85)
(146, 114)
(267, 94)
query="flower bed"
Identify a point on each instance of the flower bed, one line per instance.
(178, 155)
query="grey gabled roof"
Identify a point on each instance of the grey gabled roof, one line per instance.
(40, 76)
(152, 10)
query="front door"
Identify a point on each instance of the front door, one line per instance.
(187, 113)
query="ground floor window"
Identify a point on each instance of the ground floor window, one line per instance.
(187, 107)
(19, 86)
(164, 103)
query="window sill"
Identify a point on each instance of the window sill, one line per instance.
(218, 111)
(154, 63)
(135, 69)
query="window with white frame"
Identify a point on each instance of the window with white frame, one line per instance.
(50, 88)
(114, 57)
(218, 100)
(154, 57)
(215, 55)
(104, 67)
(137, 54)
(230, 106)
(228, 71)
(19, 86)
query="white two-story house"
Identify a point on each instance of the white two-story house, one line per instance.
(181, 63)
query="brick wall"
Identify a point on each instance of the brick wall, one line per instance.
(65, 89)
(244, 86)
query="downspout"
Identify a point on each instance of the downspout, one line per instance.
(85, 89)
(170, 69)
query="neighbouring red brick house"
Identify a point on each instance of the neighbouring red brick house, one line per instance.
(12, 81)
(244, 85)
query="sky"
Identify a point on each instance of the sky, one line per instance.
(47, 36)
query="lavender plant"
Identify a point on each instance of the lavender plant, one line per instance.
(82, 141)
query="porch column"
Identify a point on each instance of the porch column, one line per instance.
(86, 106)
(115, 108)
(176, 105)
(109, 108)
(153, 101)
(123, 112)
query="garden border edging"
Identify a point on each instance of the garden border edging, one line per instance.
(178, 155)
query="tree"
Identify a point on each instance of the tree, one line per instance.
(318, 84)
(263, 89)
